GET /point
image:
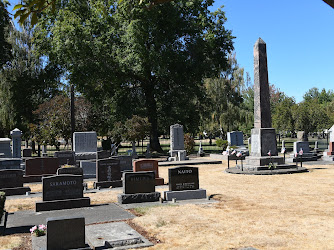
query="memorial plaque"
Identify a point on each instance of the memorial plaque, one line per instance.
(62, 187)
(183, 178)
(41, 166)
(140, 182)
(108, 170)
(11, 178)
(146, 165)
(65, 157)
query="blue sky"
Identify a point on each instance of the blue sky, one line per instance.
(299, 37)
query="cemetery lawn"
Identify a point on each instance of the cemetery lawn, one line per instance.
(266, 212)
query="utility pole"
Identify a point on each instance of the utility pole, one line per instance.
(72, 115)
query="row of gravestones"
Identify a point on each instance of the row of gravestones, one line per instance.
(66, 191)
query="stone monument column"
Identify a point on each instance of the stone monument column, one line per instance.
(263, 135)
(16, 135)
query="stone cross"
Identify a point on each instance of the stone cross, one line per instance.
(262, 115)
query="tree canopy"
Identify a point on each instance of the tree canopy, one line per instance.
(144, 61)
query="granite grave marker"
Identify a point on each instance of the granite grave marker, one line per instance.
(148, 165)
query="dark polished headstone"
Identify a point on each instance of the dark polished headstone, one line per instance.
(65, 157)
(62, 192)
(262, 115)
(103, 154)
(139, 182)
(10, 178)
(41, 166)
(125, 162)
(26, 152)
(183, 178)
(65, 233)
(138, 187)
(11, 182)
(10, 163)
(70, 170)
(61, 187)
(108, 173)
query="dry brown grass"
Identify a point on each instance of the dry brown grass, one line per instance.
(9, 241)
(266, 212)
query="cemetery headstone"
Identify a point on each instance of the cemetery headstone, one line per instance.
(62, 192)
(85, 145)
(16, 135)
(307, 154)
(235, 138)
(177, 143)
(108, 173)
(11, 182)
(103, 154)
(138, 187)
(88, 168)
(65, 157)
(184, 184)
(70, 170)
(148, 165)
(10, 163)
(125, 162)
(148, 152)
(41, 166)
(5, 147)
(26, 152)
(85, 141)
(66, 233)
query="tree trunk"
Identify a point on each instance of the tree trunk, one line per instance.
(151, 108)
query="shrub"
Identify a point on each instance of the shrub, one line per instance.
(222, 143)
(189, 143)
(2, 204)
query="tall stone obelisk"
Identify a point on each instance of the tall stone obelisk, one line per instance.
(262, 114)
(263, 135)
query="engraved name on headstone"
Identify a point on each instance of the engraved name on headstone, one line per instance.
(183, 178)
(62, 187)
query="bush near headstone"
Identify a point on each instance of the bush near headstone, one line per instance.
(222, 143)
(189, 143)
